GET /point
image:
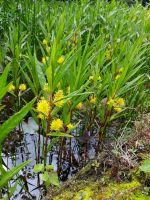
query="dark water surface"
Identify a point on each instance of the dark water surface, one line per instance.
(20, 147)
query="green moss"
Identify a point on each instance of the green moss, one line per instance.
(113, 188)
(85, 194)
(138, 195)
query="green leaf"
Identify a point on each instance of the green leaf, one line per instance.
(3, 91)
(44, 176)
(3, 77)
(38, 168)
(53, 178)
(12, 122)
(13, 189)
(10, 174)
(40, 73)
(49, 76)
(53, 141)
(145, 167)
(49, 167)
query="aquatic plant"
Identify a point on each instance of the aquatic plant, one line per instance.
(86, 63)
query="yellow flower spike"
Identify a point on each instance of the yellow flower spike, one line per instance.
(43, 107)
(58, 98)
(111, 102)
(11, 87)
(61, 59)
(45, 42)
(41, 116)
(118, 109)
(117, 77)
(44, 59)
(48, 49)
(92, 99)
(79, 106)
(22, 87)
(70, 126)
(91, 78)
(56, 125)
(120, 102)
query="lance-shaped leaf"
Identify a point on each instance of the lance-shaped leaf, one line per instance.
(12, 122)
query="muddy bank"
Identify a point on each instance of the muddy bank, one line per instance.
(114, 173)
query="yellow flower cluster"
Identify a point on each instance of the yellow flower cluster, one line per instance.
(61, 59)
(45, 42)
(70, 126)
(48, 49)
(79, 106)
(56, 125)
(117, 77)
(44, 59)
(43, 108)
(58, 98)
(11, 87)
(91, 78)
(92, 99)
(119, 74)
(117, 103)
(22, 87)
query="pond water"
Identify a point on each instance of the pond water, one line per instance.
(22, 146)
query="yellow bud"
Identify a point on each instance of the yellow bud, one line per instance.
(118, 109)
(91, 78)
(117, 77)
(92, 99)
(44, 59)
(70, 126)
(120, 70)
(11, 87)
(56, 125)
(61, 59)
(79, 106)
(48, 49)
(45, 42)
(22, 87)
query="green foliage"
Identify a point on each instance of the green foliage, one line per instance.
(89, 62)
(48, 175)
(145, 167)
(8, 175)
(14, 120)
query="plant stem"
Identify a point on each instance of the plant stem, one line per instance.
(39, 142)
(48, 129)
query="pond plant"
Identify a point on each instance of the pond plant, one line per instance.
(75, 68)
